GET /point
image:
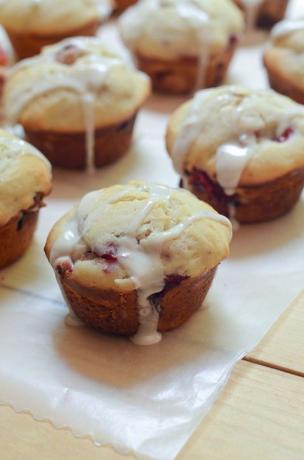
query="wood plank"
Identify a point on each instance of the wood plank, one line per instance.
(282, 348)
(260, 414)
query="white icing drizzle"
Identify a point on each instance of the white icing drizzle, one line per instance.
(251, 9)
(7, 46)
(287, 27)
(141, 258)
(231, 160)
(190, 130)
(200, 21)
(232, 157)
(86, 77)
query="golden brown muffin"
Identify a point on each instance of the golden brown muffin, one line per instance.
(137, 259)
(240, 150)
(77, 102)
(263, 13)
(33, 24)
(284, 59)
(25, 179)
(182, 44)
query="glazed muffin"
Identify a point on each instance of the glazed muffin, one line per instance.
(284, 59)
(137, 259)
(121, 5)
(77, 102)
(182, 44)
(7, 57)
(240, 150)
(263, 13)
(33, 24)
(25, 179)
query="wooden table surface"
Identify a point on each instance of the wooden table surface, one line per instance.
(260, 414)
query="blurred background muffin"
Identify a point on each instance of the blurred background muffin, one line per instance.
(240, 150)
(33, 24)
(137, 259)
(262, 13)
(182, 44)
(25, 179)
(284, 59)
(77, 102)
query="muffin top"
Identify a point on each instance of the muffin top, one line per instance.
(25, 176)
(51, 17)
(237, 136)
(133, 236)
(55, 90)
(170, 29)
(286, 50)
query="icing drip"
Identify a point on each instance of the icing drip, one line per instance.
(251, 8)
(141, 258)
(287, 27)
(9, 56)
(85, 77)
(200, 21)
(231, 160)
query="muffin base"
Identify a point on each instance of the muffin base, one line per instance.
(68, 150)
(179, 76)
(27, 45)
(116, 312)
(122, 5)
(16, 236)
(283, 84)
(271, 12)
(256, 203)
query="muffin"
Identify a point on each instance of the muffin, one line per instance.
(240, 150)
(182, 44)
(33, 24)
(263, 13)
(77, 102)
(121, 5)
(136, 259)
(284, 59)
(25, 179)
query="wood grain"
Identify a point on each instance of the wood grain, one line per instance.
(260, 415)
(282, 348)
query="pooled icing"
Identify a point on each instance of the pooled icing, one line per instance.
(139, 255)
(87, 76)
(236, 116)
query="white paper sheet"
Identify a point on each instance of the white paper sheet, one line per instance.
(147, 401)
